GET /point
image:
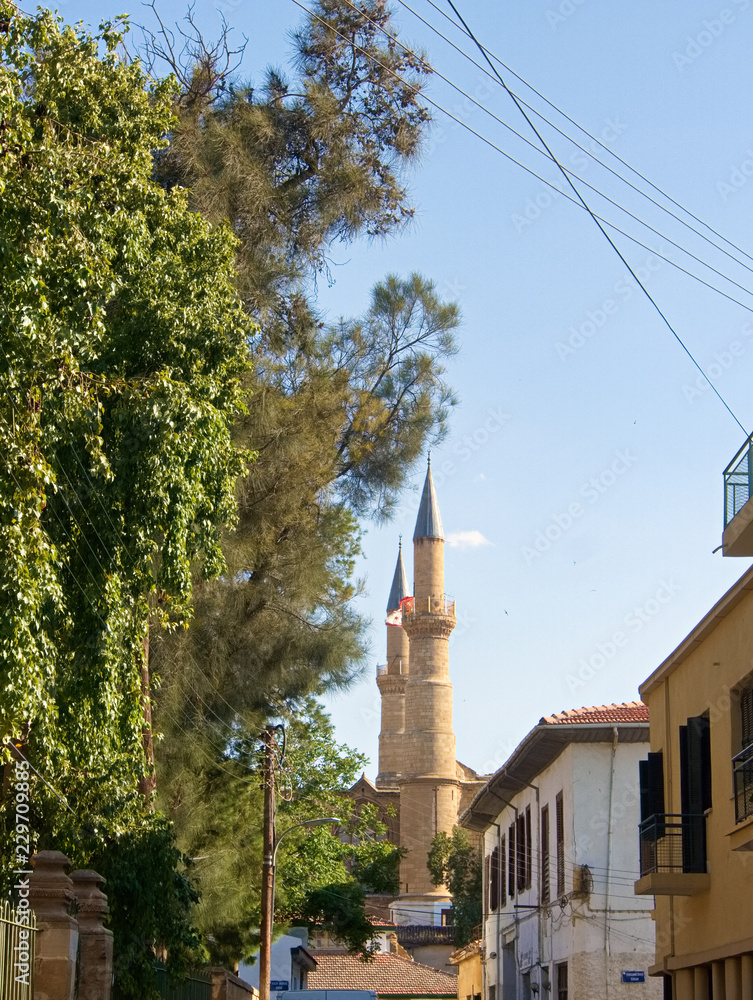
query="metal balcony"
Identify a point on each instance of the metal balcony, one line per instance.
(737, 539)
(672, 855)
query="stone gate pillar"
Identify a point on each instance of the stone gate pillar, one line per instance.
(95, 940)
(51, 897)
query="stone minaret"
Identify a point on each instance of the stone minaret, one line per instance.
(429, 786)
(391, 682)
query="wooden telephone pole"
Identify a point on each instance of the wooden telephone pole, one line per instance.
(268, 871)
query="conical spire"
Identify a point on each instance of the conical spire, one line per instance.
(399, 588)
(428, 522)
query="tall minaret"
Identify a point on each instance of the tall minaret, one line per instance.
(429, 787)
(391, 682)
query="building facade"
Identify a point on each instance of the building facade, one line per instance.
(696, 834)
(558, 824)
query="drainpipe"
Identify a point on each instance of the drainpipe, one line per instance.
(615, 738)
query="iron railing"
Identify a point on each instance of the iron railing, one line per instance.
(196, 986)
(17, 931)
(671, 842)
(737, 481)
(443, 605)
(742, 772)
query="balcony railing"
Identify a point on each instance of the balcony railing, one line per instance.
(673, 843)
(443, 605)
(742, 771)
(737, 480)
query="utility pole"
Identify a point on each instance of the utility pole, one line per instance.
(268, 866)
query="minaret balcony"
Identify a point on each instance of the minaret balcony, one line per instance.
(393, 669)
(443, 605)
(737, 538)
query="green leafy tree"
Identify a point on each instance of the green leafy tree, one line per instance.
(453, 861)
(338, 412)
(125, 351)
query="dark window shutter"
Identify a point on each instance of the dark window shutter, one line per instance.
(695, 790)
(545, 854)
(502, 880)
(511, 861)
(529, 848)
(487, 883)
(746, 713)
(495, 878)
(651, 780)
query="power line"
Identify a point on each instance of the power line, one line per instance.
(579, 146)
(585, 131)
(606, 235)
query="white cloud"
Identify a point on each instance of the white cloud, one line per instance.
(467, 540)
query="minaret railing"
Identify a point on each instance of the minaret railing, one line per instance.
(442, 605)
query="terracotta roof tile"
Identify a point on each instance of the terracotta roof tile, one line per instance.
(626, 711)
(387, 975)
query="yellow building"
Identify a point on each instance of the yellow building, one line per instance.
(467, 960)
(696, 834)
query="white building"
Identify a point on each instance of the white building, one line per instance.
(559, 824)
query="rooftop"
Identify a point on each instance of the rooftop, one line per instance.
(625, 711)
(387, 975)
(543, 745)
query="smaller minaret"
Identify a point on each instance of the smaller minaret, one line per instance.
(391, 682)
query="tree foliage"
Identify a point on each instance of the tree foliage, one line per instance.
(125, 352)
(453, 861)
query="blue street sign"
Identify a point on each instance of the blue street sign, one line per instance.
(279, 984)
(634, 977)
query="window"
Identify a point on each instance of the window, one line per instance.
(746, 717)
(494, 880)
(559, 814)
(502, 881)
(561, 977)
(742, 762)
(695, 790)
(529, 864)
(487, 881)
(520, 845)
(446, 918)
(493, 992)
(545, 854)
(511, 861)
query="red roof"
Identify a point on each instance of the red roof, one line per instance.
(387, 975)
(626, 711)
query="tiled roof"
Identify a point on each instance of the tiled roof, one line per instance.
(387, 975)
(626, 711)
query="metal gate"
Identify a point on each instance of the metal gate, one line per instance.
(17, 930)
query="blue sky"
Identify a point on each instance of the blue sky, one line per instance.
(582, 424)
